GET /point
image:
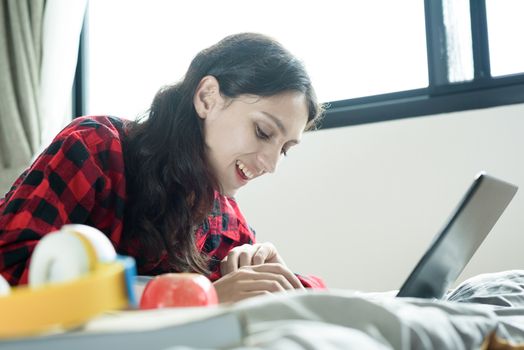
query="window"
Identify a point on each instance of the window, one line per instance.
(351, 48)
(458, 40)
(371, 60)
(506, 36)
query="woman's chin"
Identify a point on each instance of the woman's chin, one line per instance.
(228, 191)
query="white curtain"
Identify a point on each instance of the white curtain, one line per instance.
(38, 54)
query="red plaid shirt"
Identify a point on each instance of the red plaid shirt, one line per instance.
(80, 178)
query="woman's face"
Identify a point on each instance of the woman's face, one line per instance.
(247, 136)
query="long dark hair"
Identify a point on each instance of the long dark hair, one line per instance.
(169, 180)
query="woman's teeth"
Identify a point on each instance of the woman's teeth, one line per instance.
(244, 169)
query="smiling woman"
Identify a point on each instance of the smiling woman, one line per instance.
(161, 188)
(247, 136)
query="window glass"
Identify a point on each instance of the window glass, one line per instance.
(506, 33)
(351, 48)
(458, 40)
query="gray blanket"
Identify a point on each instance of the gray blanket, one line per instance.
(485, 312)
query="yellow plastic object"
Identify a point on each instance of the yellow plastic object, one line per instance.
(90, 250)
(30, 311)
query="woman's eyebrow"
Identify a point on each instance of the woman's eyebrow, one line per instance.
(276, 121)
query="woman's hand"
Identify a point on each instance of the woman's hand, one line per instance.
(248, 255)
(250, 281)
(251, 270)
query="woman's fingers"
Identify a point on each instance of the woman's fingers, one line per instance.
(228, 265)
(269, 281)
(236, 258)
(281, 270)
(230, 262)
(244, 259)
(250, 254)
(251, 281)
(264, 253)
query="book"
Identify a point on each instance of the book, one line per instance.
(208, 327)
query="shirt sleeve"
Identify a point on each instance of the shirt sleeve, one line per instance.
(60, 187)
(311, 281)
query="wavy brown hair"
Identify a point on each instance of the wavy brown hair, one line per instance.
(169, 180)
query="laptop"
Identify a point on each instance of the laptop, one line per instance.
(455, 244)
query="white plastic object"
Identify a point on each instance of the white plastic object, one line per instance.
(103, 247)
(58, 257)
(5, 288)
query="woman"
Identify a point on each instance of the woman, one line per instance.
(162, 188)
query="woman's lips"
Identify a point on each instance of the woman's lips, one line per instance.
(240, 174)
(244, 172)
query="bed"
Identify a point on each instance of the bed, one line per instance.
(484, 312)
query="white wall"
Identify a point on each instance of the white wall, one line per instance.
(359, 205)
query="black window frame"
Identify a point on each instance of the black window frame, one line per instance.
(440, 96)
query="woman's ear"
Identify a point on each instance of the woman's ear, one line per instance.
(207, 96)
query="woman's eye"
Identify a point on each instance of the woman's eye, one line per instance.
(261, 134)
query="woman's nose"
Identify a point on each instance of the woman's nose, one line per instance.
(269, 159)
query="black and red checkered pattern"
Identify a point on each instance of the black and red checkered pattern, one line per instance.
(80, 178)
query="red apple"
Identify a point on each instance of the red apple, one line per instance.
(178, 290)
